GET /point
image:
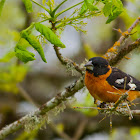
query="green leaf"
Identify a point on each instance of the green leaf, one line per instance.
(84, 7)
(1, 5)
(90, 5)
(28, 5)
(114, 15)
(118, 3)
(107, 9)
(112, 9)
(23, 54)
(49, 35)
(33, 41)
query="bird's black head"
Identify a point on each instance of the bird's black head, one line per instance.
(97, 65)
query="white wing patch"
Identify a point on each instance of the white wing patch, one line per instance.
(119, 81)
(131, 84)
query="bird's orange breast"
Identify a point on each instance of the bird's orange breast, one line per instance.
(100, 89)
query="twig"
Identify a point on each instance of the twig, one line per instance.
(58, 14)
(58, 7)
(135, 112)
(123, 97)
(41, 6)
(118, 111)
(65, 61)
(125, 51)
(59, 55)
(110, 123)
(102, 119)
(113, 52)
(129, 111)
(78, 107)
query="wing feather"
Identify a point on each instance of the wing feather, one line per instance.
(119, 79)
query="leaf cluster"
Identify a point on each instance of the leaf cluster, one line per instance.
(87, 9)
(112, 9)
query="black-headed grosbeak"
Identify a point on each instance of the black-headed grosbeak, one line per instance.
(107, 84)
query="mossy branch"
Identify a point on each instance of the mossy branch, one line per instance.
(59, 98)
(115, 50)
(118, 111)
(123, 52)
(66, 61)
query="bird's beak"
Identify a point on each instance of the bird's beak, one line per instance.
(89, 65)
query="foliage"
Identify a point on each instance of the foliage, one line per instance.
(28, 5)
(112, 9)
(49, 35)
(34, 43)
(90, 8)
(21, 52)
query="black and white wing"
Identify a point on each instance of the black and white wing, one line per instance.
(118, 79)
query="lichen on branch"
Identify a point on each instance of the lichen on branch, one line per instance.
(114, 52)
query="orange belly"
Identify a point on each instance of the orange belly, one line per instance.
(100, 89)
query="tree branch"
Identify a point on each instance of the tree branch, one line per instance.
(30, 100)
(113, 52)
(66, 61)
(135, 112)
(123, 97)
(123, 52)
(59, 98)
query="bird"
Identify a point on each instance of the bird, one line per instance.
(108, 84)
